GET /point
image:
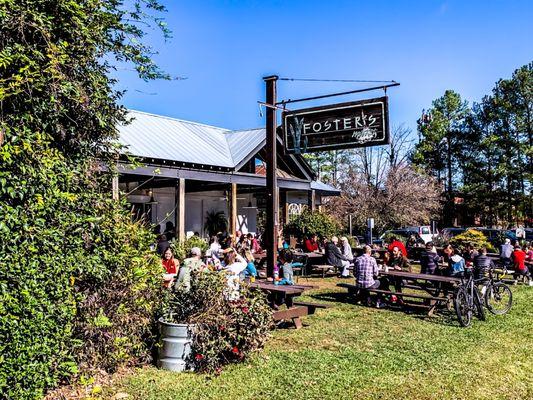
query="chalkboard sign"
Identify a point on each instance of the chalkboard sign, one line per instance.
(338, 126)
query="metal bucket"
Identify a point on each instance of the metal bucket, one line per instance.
(175, 346)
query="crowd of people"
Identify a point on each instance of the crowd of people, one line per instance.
(234, 255)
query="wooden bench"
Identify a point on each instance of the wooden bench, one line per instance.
(292, 313)
(324, 268)
(354, 290)
(311, 307)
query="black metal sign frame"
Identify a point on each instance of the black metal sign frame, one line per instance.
(354, 124)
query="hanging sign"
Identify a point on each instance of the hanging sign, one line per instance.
(338, 126)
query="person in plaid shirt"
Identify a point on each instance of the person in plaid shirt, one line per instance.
(366, 269)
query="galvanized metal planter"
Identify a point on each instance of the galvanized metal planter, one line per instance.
(175, 346)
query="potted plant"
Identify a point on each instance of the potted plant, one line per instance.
(202, 330)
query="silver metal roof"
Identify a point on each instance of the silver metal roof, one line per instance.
(159, 137)
(325, 189)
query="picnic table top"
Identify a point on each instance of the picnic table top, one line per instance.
(286, 289)
(427, 277)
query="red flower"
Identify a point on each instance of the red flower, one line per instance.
(235, 350)
(245, 310)
(221, 328)
(199, 357)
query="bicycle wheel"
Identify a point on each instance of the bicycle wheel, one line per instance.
(478, 304)
(462, 309)
(498, 298)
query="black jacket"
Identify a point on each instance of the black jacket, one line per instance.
(333, 255)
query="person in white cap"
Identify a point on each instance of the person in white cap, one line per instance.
(505, 253)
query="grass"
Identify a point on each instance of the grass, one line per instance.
(355, 352)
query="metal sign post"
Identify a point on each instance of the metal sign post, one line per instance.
(272, 203)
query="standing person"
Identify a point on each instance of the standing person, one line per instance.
(168, 261)
(396, 243)
(311, 244)
(506, 250)
(519, 263)
(335, 258)
(482, 263)
(366, 272)
(346, 249)
(456, 265)
(193, 263)
(162, 244)
(429, 260)
(170, 232)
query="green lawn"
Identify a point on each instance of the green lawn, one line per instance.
(354, 352)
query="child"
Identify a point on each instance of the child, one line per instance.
(285, 258)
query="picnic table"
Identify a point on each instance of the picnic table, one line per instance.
(285, 294)
(436, 288)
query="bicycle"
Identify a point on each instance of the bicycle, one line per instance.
(498, 297)
(467, 301)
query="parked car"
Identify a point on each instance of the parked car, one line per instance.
(424, 231)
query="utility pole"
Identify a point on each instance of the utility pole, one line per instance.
(272, 205)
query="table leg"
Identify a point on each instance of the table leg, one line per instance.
(297, 322)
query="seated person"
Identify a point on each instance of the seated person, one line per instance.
(169, 262)
(482, 263)
(396, 243)
(193, 263)
(311, 244)
(398, 261)
(366, 272)
(429, 260)
(456, 264)
(285, 259)
(250, 270)
(518, 258)
(335, 258)
(234, 264)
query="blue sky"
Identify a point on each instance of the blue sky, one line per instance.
(224, 48)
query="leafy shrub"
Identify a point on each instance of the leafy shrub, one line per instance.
(474, 237)
(181, 250)
(309, 223)
(224, 331)
(66, 256)
(120, 297)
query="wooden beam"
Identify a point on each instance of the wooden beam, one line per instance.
(180, 209)
(311, 200)
(233, 209)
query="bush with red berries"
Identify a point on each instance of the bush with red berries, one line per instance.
(223, 331)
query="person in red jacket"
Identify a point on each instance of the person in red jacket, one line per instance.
(519, 263)
(396, 243)
(311, 244)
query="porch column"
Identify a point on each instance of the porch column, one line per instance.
(233, 210)
(114, 187)
(284, 207)
(311, 200)
(180, 209)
